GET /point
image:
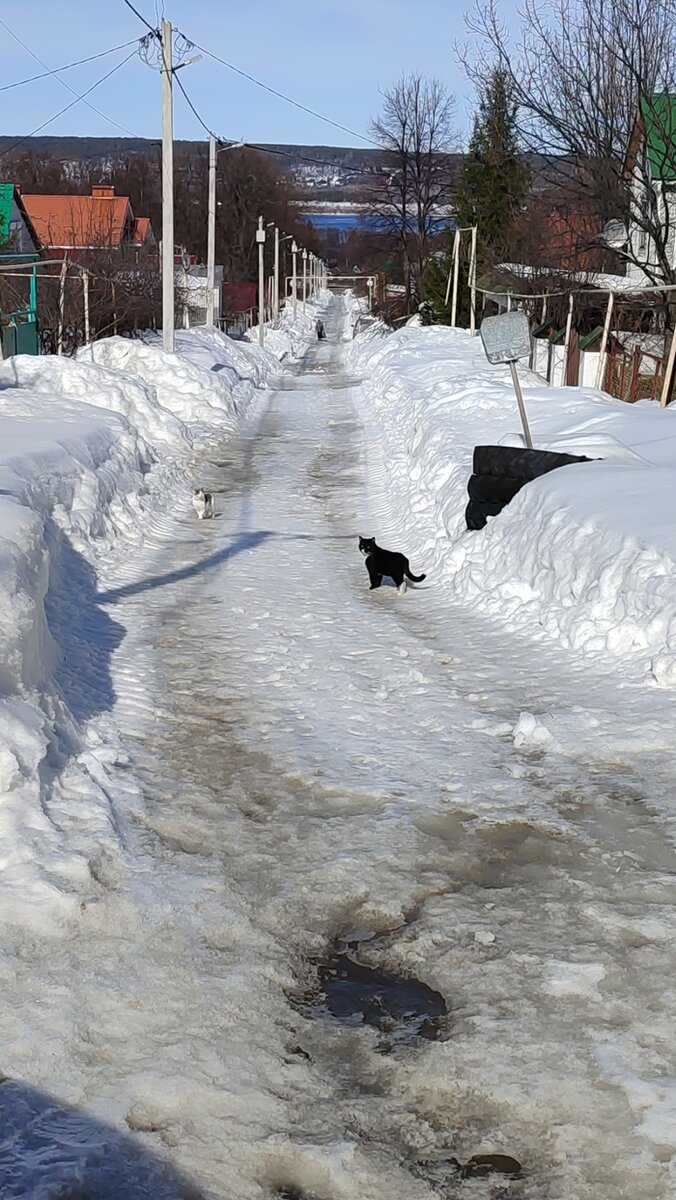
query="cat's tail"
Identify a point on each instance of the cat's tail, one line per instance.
(414, 578)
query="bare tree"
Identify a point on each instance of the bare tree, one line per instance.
(416, 130)
(586, 76)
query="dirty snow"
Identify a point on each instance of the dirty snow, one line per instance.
(220, 751)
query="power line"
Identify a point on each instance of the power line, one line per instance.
(63, 82)
(44, 75)
(136, 13)
(266, 87)
(72, 104)
(322, 162)
(192, 108)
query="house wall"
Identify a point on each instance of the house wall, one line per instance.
(642, 247)
(21, 240)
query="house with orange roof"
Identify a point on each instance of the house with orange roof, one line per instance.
(74, 226)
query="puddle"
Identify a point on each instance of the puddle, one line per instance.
(443, 1168)
(402, 1009)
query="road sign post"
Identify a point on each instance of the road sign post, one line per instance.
(506, 339)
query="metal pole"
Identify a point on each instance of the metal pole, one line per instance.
(601, 366)
(472, 282)
(167, 192)
(33, 294)
(294, 252)
(85, 291)
(522, 407)
(456, 269)
(275, 294)
(260, 238)
(304, 279)
(62, 305)
(211, 233)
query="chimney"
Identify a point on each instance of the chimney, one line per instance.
(103, 191)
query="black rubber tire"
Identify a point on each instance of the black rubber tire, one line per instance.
(494, 489)
(514, 462)
(478, 512)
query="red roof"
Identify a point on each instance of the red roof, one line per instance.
(142, 231)
(100, 221)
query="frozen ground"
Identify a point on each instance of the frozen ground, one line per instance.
(254, 755)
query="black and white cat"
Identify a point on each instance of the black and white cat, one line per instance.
(381, 562)
(203, 503)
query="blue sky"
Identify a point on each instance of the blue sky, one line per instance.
(332, 55)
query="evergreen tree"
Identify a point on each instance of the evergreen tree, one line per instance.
(494, 180)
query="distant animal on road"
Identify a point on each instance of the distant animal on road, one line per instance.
(381, 562)
(203, 503)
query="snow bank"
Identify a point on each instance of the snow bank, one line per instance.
(90, 446)
(205, 384)
(586, 554)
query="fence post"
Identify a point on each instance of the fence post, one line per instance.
(566, 344)
(668, 372)
(456, 270)
(472, 282)
(636, 363)
(62, 305)
(604, 341)
(454, 253)
(85, 292)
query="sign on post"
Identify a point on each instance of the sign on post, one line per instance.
(506, 339)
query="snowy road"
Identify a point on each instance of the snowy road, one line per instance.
(317, 759)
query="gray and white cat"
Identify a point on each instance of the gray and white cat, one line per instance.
(203, 503)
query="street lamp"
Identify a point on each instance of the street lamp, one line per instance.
(294, 252)
(275, 295)
(260, 238)
(304, 279)
(211, 224)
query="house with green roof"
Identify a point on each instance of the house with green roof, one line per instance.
(19, 248)
(650, 170)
